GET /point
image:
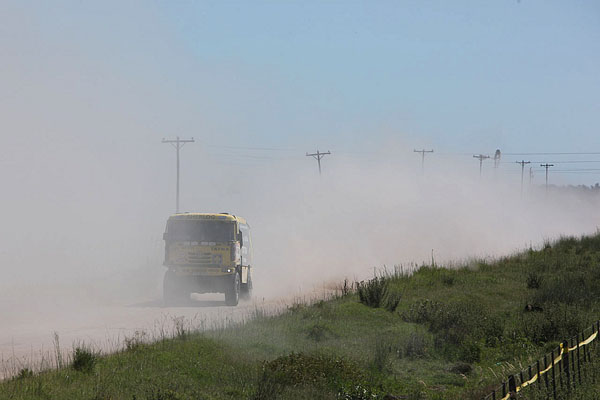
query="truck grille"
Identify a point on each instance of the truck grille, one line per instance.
(200, 258)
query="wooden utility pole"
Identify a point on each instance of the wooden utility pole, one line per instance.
(318, 156)
(522, 162)
(530, 176)
(177, 144)
(481, 157)
(497, 157)
(546, 166)
(423, 157)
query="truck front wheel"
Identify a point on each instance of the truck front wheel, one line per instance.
(232, 294)
(174, 291)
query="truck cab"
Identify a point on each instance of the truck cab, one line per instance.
(207, 253)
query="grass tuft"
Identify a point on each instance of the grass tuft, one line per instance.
(84, 359)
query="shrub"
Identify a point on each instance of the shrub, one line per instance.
(421, 312)
(469, 352)
(534, 280)
(457, 327)
(24, 373)
(381, 354)
(447, 279)
(391, 299)
(359, 391)
(298, 369)
(371, 292)
(415, 346)
(346, 288)
(377, 293)
(568, 288)
(318, 332)
(133, 343)
(84, 359)
(461, 368)
(557, 322)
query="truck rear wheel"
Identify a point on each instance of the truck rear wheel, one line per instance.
(246, 288)
(174, 290)
(232, 294)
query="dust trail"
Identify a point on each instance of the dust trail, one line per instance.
(77, 269)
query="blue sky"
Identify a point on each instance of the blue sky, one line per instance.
(463, 75)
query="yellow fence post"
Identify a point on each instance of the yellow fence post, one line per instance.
(565, 364)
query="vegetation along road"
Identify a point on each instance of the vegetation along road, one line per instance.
(436, 334)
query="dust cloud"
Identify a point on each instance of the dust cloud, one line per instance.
(364, 215)
(82, 241)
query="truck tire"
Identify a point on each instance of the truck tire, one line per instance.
(232, 294)
(174, 291)
(246, 288)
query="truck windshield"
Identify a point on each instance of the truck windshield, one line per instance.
(200, 231)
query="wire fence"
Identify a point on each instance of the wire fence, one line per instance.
(563, 369)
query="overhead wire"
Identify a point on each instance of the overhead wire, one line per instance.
(545, 154)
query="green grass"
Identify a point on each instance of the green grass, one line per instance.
(436, 334)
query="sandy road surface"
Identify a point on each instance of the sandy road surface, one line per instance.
(29, 320)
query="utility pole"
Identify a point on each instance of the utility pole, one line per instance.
(546, 166)
(177, 144)
(523, 162)
(423, 157)
(497, 157)
(481, 157)
(530, 176)
(317, 156)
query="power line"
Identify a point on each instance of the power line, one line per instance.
(573, 170)
(570, 161)
(577, 172)
(251, 148)
(545, 154)
(251, 156)
(318, 156)
(177, 144)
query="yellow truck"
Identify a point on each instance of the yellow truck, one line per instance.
(207, 253)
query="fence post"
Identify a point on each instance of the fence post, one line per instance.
(560, 371)
(512, 386)
(494, 394)
(586, 349)
(578, 361)
(553, 375)
(573, 372)
(503, 389)
(521, 377)
(546, 374)
(565, 364)
(593, 346)
(539, 377)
